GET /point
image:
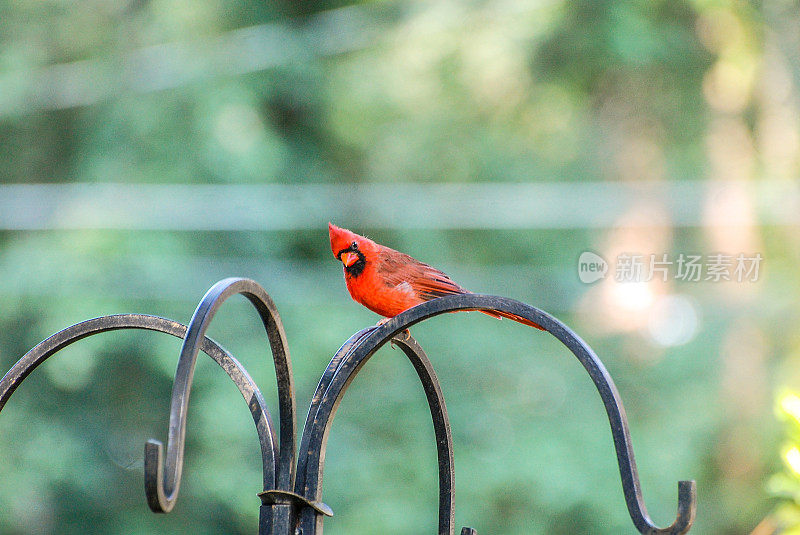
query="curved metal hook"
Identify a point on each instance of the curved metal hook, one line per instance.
(320, 417)
(55, 343)
(162, 480)
(441, 427)
(687, 493)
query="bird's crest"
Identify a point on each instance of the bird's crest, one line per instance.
(341, 238)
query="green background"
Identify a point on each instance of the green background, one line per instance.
(168, 144)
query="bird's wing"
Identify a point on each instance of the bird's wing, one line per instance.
(399, 271)
(396, 268)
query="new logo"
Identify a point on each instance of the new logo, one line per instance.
(591, 267)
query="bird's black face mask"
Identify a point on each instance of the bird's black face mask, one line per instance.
(354, 260)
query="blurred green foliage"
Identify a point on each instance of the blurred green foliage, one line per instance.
(786, 484)
(546, 92)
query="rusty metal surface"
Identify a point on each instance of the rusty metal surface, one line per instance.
(291, 502)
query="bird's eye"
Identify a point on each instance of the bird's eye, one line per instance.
(354, 245)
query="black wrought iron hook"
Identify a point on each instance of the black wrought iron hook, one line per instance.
(283, 496)
(55, 343)
(320, 417)
(162, 479)
(372, 341)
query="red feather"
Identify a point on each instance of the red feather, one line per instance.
(389, 282)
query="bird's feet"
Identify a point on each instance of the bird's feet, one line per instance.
(403, 336)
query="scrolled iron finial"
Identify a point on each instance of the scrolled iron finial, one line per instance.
(55, 343)
(282, 493)
(341, 370)
(162, 470)
(371, 341)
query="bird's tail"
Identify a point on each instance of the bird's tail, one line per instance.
(500, 315)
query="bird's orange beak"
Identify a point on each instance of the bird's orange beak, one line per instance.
(348, 259)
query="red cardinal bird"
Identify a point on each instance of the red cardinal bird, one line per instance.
(389, 282)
